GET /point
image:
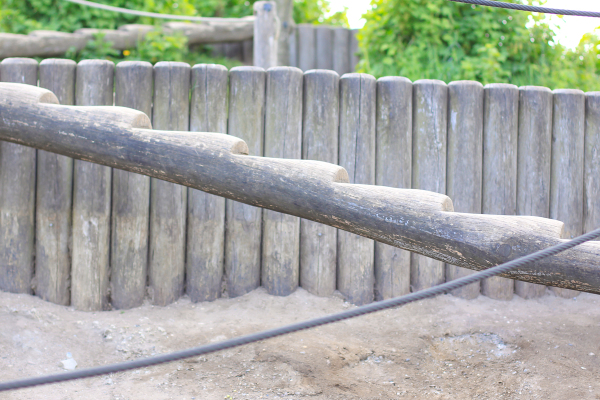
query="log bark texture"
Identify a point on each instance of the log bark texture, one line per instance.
(266, 34)
(418, 221)
(17, 195)
(206, 212)
(393, 169)
(307, 47)
(591, 169)
(54, 198)
(341, 51)
(323, 47)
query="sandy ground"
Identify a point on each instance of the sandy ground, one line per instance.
(445, 348)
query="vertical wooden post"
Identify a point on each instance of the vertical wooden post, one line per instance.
(168, 201)
(17, 194)
(130, 198)
(248, 52)
(465, 158)
(318, 243)
(307, 47)
(356, 254)
(266, 34)
(293, 43)
(393, 169)
(533, 164)
(566, 177)
(341, 51)
(354, 58)
(283, 139)
(91, 199)
(206, 212)
(54, 197)
(324, 47)
(430, 112)
(285, 14)
(244, 223)
(500, 128)
(591, 170)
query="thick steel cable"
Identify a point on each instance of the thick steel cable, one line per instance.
(151, 14)
(537, 9)
(300, 326)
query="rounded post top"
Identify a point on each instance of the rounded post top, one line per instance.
(465, 83)
(246, 69)
(171, 64)
(19, 60)
(57, 61)
(86, 63)
(534, 89)
(357, 75)
(130, 64)
(394, 79)
(568, 92)
(321, 72)
(500, 86)
(211, 66)
(432, 82)
(592, 94)
(276, 70)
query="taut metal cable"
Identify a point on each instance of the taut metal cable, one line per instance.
(523, 7)
(300, 326)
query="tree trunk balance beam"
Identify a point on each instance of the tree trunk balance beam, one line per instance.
(415, 220)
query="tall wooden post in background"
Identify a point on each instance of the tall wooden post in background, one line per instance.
(465, 157)
(323, 47)
(306, 47)
(393, 169)
(430, 112)
(54, 197)
(318, 243)
(206, 212)
(244, 223)
(341, 51)
(91, 199)
(591, 167)
(130, 198)
(266, 34)
(566, 188)
(17, 194)
(285, 14)
(533, 166)
(355, 264)
(168, 201)
(500, 128)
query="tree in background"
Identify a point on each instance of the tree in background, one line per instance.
(438, 39)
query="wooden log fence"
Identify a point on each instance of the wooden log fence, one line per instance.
(386, 132)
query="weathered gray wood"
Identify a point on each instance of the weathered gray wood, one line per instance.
(283, 139)
(266, 34)
(500, 137)
(415, 220)
(341, 51)
(293, 50)
(168, 201)
(393, 169)
(91, 200)
(54, 197)
(323, 47)
(566, 187)
(120, 39)
(17, 194)
(356, 254)
(217, 30)
(354, 58)
(307, 47)
(285, 13)
(39, 44)
(465, 155)
(247, 51)
(591, 170)
(320, 121)
(130, 198)
(243, 229)
(533, 163)
(430, 120)
(206, 212)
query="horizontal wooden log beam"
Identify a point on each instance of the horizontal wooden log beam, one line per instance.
(415, 220)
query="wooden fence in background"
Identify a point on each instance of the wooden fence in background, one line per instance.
(87, 235)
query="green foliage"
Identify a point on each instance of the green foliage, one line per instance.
(315, 12)
(438, 39)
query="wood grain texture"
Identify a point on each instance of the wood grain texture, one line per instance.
(266, 34)
(130, 198)
(283, 139)
(206, 212)
(54, 197)
(293, 51)
(430, 120)
(465, 161)
(393, 169)
(39, 44)
(91, 200)
(354, 50)
(168, 201)
(285, 14)
(307, 46)
(341, 51)
(566, 187)
(418, 221)
(356, 254)
(215, 31)
(243, 233)
(500, 136)
(323, 47)
(17, 195)
(533, 165)
(320, 121)
(591, 169)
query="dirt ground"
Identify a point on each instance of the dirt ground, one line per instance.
(445, 348)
